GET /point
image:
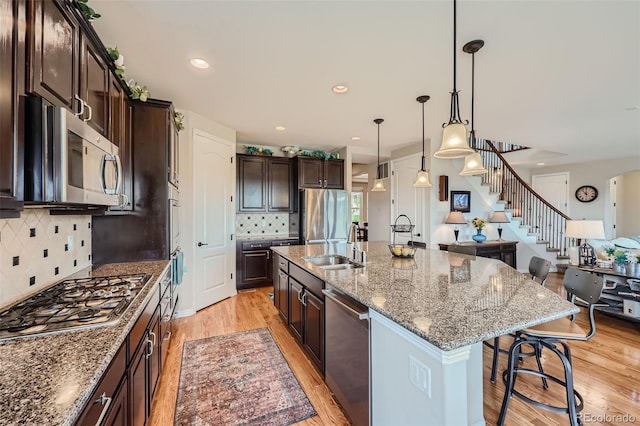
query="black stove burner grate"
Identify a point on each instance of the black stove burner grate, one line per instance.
(72, 304)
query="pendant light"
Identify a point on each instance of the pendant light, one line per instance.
(422, 180)
(378, 184)
(473, 162)
(454, 135)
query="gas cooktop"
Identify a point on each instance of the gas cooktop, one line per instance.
(71, 305)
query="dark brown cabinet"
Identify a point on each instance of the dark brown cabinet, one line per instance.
(54, 58)
(12, 63)
(265, 184)
(94, 87)
(119, 411)
(143, 234)
(120, 123)
(253, 263)
(494, 249)
(296, 309)
(145, 372)
(304, 310)
(320, 173)
(281, 286)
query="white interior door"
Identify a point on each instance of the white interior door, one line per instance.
(554, 188)
(408, 200)
(214, 176)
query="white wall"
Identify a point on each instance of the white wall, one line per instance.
(628, 204)
(192, 121)
(598, 174)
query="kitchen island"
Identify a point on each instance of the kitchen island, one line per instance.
(48, 379)
(428, 318)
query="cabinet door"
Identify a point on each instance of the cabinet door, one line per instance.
(281, 294)
(12, 64)
(509, 255)
(310, 172)
(138, 386)
(255, 268)
(296, 309)
(94, 87)
(314, 328)
(279, 186)
(53, 57)
(153, 357)
(334, 174)
(119, 411)
(252, 175)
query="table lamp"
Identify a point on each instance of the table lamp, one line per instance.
(455, 218)
(585, 229)
(499, 217)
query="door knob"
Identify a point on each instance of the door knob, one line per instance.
(202, 244)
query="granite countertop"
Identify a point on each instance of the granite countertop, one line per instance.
(47, 380)
(450, 300)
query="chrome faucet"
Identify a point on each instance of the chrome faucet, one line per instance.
(353, 233)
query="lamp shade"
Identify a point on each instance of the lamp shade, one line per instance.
(473, 165)
(422, 181)
(585, 229)
(454, 142)
(499, 217)
(378, 185)
(455, 218)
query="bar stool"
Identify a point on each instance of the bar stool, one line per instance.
(538, 269)
(552, 335)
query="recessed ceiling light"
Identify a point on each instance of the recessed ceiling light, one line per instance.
(339, 89)
(539, 164)
(355, 138)
(199, 63)
(280, 128)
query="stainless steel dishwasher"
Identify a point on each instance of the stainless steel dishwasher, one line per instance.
(347, 354)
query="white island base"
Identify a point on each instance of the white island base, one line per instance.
(415, 383)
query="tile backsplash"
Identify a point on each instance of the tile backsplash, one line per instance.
(262, 223)
(38, 249)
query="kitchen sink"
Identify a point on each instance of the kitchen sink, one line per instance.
(333, 261)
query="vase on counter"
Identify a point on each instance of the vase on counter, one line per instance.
(632, 269)
(619, 268)
(479, 237)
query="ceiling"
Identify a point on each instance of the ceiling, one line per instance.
(559, 76)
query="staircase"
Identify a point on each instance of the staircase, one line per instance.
(540, 223)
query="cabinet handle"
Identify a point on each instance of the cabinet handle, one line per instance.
(325, 183)
(320, 182)
(81, 112)
(106, 401)
(154, 337)
(304, 299)
(90, 112)
(300, 295)
(268, 254)
(168, 336)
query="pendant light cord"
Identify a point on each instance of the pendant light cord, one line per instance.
(454, 45)
(378, 168)
(472, 133)
(423, 160)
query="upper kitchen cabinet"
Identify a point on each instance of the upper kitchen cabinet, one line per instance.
(12, 63)
(67, 63)
(54, 54)
(320, 173)
(174, 152)
(265, 184)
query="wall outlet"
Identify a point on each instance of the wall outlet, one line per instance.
(420, 376)
(70, 242)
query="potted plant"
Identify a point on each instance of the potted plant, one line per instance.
(620, 261)
(478, 224)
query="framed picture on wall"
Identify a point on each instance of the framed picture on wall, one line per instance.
(461, 201)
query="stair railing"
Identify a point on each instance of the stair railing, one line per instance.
(543, 219)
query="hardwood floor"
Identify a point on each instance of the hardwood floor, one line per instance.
(606, 368)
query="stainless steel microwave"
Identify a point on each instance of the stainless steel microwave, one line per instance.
(66, 160)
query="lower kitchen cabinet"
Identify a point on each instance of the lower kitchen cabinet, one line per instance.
(119, 411)
(314, 327)
(281, 286)
(305, 311)
(254, 264)
(494, 249)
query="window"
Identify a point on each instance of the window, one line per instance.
(356, 206)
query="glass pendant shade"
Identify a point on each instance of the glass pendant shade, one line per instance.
(473, 165)
(378, 185)
(454, 142)
(422, 180)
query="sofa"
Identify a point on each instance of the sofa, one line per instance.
(629, 244)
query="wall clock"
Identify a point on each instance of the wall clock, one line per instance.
(586, 193)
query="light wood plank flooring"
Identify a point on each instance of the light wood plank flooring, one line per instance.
(606, 368)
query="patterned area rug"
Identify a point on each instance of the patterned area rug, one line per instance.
(238, 379)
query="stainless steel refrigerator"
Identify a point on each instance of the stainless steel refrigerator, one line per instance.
(323, 216)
